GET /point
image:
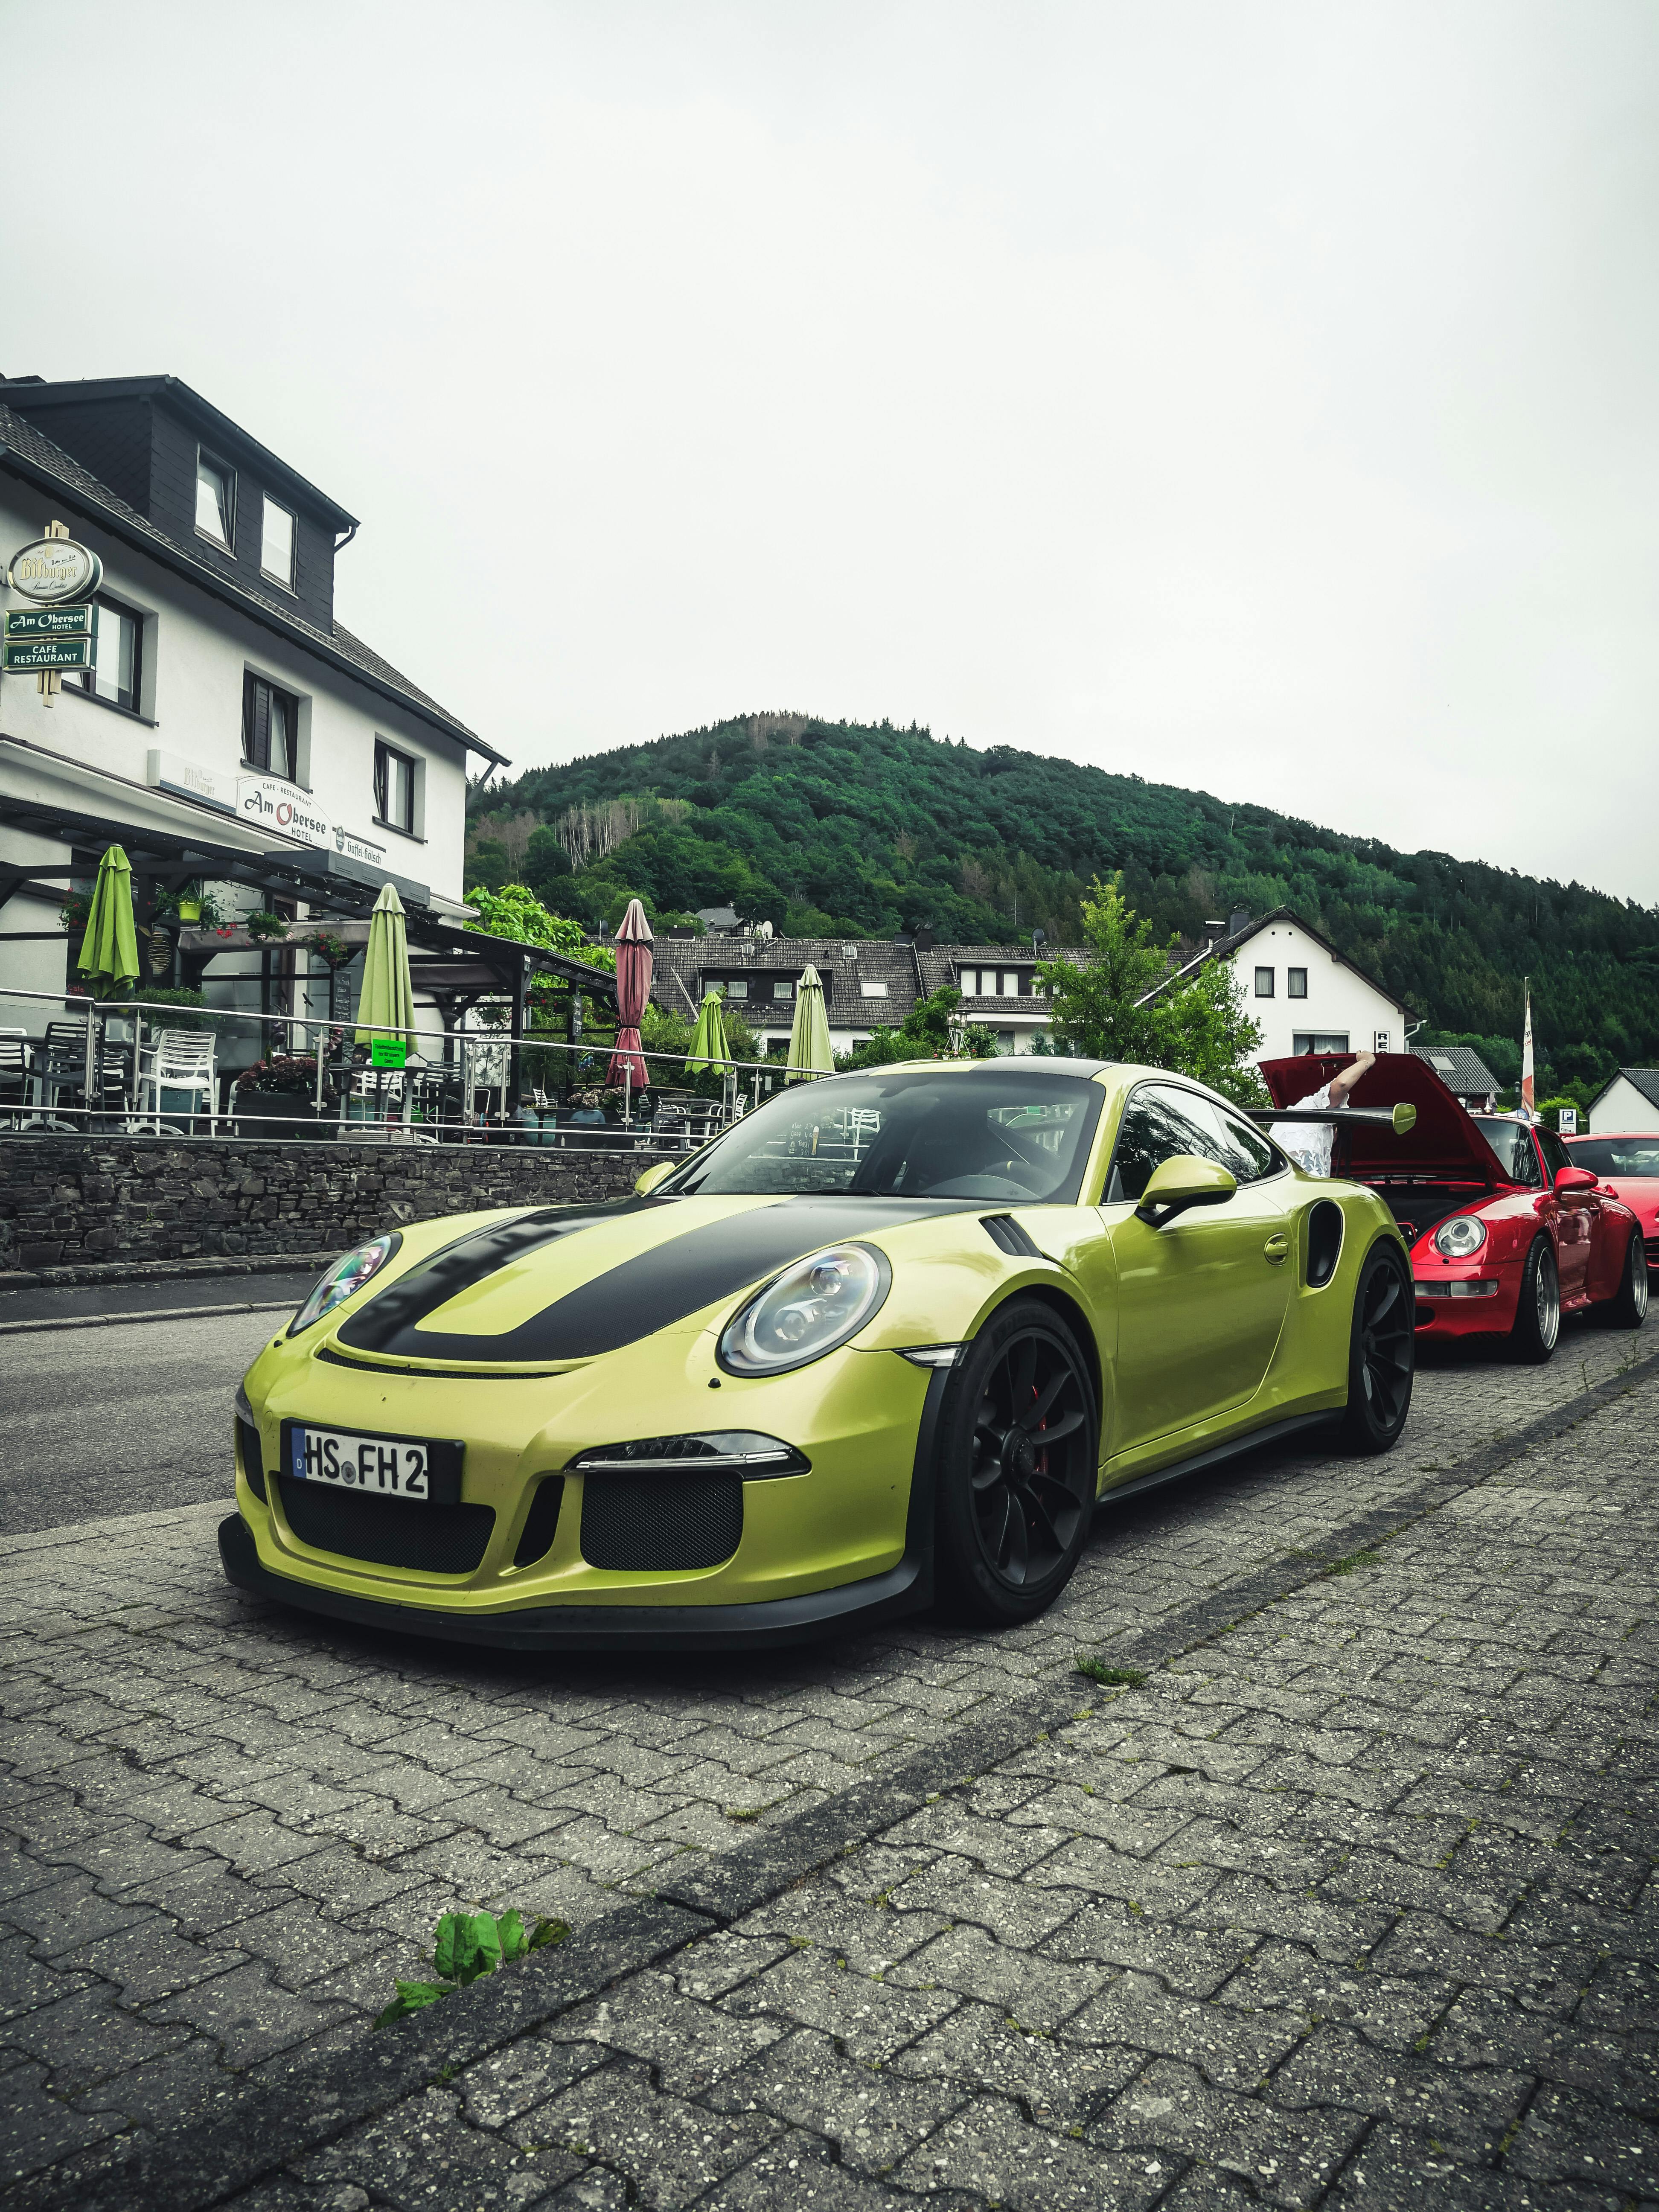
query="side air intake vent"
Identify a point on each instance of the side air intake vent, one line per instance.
(434, 1540)
(1005, 1231)
(662, 1524)
(1324, 1243)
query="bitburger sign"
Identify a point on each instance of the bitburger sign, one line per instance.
(55, 572)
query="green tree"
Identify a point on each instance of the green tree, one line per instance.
(1124, 1003)
(1102, 1007)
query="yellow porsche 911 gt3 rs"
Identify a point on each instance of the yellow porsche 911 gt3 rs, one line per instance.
(885, 1341)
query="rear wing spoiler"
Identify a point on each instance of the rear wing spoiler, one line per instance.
(1402, 1119)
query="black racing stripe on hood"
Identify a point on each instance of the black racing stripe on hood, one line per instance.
(444, 1273)
(660, 1287)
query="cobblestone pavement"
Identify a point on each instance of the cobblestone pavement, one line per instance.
(1351, 1902)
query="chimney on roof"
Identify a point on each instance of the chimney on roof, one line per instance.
(1239, 919)
(925, 939)
(1212, 930)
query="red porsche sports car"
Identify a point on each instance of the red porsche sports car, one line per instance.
(1629, 1168)
(1506, 1234)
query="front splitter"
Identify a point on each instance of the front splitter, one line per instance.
(770, 1623)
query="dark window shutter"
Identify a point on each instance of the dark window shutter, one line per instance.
(256, 721)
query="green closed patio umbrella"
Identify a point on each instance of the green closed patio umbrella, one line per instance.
(387, 1008)
(109, 957)
(809, 1034)
(709, 1049)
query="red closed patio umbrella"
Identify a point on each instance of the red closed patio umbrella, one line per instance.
(634, 963)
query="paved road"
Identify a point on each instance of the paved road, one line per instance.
(122, 1419)
(233, 1825)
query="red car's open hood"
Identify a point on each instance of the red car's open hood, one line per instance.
(1445, 1141)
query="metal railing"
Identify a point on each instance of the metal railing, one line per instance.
(430, 1100)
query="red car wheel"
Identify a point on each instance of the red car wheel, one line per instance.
(1628, 1306)
(1538, 1310)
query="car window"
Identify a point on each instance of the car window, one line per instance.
(1554, 1151)
(1616, 1156)
(1243, 1151)
(1161, 1120)
(1512, 1142)
(978, 1133)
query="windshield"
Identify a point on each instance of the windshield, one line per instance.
(976, 1135)
(1512, 1142)
(1617, 1156)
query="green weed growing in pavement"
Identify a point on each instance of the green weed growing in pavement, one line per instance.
(468, 1945)
(1129, 1678)
(1354, 1560)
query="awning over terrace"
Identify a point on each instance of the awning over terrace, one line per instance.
(452, 966)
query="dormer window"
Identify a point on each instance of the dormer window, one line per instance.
(277, 543)
(216, 499)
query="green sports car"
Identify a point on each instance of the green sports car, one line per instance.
(885, 1343)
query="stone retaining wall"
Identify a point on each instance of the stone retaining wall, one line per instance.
(64, 1199)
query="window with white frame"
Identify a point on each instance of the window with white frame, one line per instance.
(1320, 1041)
(394, 787)
(871, 990)
(270, 727)
(216, 499)
(117, 674)
(1380, 1042)
(276, 542)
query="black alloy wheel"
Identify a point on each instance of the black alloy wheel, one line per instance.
(1537, 1328)
(1628, 1306)
(1381, 1353)
(1017, 1467)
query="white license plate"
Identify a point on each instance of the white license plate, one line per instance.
(390, 1467)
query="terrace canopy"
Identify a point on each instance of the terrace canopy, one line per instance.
(453, 965)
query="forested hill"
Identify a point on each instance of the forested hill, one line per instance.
(832, 828)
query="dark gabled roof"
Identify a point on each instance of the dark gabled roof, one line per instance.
(1644, 1080)
(30, 453)
(908, 971)
(1460, 1068)
(1220, 948)
(842, 963)
(221, 430)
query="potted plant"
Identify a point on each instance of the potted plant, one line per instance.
(283, 1090)
(333, 952)
(266, 928)
(193, 906)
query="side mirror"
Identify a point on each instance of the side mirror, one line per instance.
(1568, 1180)
(645, 1184)
(1181, 1180)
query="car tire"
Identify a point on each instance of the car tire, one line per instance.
(1537, 1327)
(1381, 1353)
(1014, 1490)
(1628, 1306)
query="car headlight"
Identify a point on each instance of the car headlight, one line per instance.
(345, 1279)
(1457, 1238)
(807, 1311)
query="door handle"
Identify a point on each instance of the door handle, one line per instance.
(1277, 1247)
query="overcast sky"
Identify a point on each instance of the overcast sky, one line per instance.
(1259, 398)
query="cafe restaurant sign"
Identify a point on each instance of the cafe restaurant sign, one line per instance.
(55, 572)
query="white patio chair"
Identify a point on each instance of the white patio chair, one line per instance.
(180, 1061)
